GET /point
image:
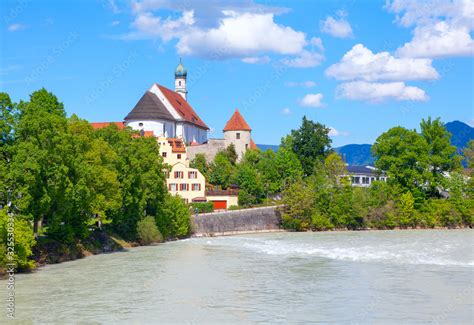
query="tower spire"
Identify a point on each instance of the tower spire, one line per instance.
(180, 74)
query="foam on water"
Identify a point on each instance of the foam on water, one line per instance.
(359, 250)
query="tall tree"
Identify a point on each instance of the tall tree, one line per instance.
(403, 155)
(442, 156)
(310, 142)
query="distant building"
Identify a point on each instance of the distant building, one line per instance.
(363, 176)
(236, 132)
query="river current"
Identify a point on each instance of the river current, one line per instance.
(387, 277)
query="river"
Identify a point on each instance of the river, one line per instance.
(388, 277)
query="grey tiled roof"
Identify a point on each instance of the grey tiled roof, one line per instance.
(149, 107)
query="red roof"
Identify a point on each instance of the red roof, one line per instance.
(182, 107)
(253, 146)
(100, 125)
(237, 123)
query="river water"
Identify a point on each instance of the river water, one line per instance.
(388, 277)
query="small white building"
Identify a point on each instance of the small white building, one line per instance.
(363, 176)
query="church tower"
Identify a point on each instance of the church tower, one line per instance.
(180, 75)
(238, 132)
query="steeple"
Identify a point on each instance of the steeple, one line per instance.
(180, 74)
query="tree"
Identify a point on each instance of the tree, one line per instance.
(173, 219)
(250, 183)
(199, 162)
(221, 171)
(310, 142)
(231, 154)
(403, 155)
(406, 207)
(7, 125)
(442, 156)
(335, 167)
(298, 200)
(148, 232)
(469, 154)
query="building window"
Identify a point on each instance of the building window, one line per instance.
(164, 154)
(167, 174)
(365, 180)
(179, 174)
(237, 136)
(179, 156)
(140, 124)
(184, 187)
(196, 187)
(173, 187)
(246, 146)
(192, 175)
(179, 82)
(356, 180)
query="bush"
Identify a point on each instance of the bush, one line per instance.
(174, 218)
(202, 207)
(148, 231)
(24, 241)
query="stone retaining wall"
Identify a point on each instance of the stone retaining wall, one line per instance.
(266, 219)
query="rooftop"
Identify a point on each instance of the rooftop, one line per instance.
(237, 123)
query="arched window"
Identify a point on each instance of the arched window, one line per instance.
(179, 83)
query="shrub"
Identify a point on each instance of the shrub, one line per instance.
(24, 241)
(202, 207)
(148, 231)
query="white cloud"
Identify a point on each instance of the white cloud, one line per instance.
(439, 40)
(336, 27)
(335, 133)
(361, 63)
(256, 59)
(442, 28)
(16, 27)
(286, 111)
(244, 34)
(115, 23)
(379, 92)
(305, 84)
(312, 100)
(243, 30)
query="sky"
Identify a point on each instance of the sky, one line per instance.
(359, 67)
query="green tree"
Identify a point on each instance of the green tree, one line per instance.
(221, 171)
(310, 142)
(406, 214)
(250, 183)
(442, 156)
(231, 154)
(403, 155)
(173, 220)
(148, 232)
(200, 163)
(298, 200)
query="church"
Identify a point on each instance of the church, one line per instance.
(167, 116)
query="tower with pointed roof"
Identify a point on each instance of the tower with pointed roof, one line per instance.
(180, 74)
(239, 133)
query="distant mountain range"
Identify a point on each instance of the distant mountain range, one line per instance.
(360, 155)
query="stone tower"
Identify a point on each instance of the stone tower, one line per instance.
(238, 132)
(180, 75)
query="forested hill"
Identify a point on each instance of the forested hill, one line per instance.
(360, 155)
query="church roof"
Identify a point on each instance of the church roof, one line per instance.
(149, 107)
(253, 146)
(237, 123)
(182, 107)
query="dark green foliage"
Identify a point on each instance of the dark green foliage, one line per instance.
(202, 207)
(310, 143)
(199, 162)
(148, 232)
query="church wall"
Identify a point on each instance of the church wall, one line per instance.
(157, 126)
(209, 150)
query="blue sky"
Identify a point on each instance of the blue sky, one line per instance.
(359, 67)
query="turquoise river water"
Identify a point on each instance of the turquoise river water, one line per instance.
(381, 277)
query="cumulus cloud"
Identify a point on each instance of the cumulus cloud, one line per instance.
(362, 63)
(335, 133)
(442, 28)
(439, 40)
(286, 111)
(243, 30)
(16, 27)
(378, 92)
(337, 27)
(304, 84)
(312, 100)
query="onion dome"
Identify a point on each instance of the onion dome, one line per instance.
(180, 70)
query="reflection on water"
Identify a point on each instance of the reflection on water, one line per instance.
(344, 277)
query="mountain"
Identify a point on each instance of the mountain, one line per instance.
(359, 154)
(265, 147)
(461, 133)
(356, 154)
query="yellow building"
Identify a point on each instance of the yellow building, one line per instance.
(187, 182)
